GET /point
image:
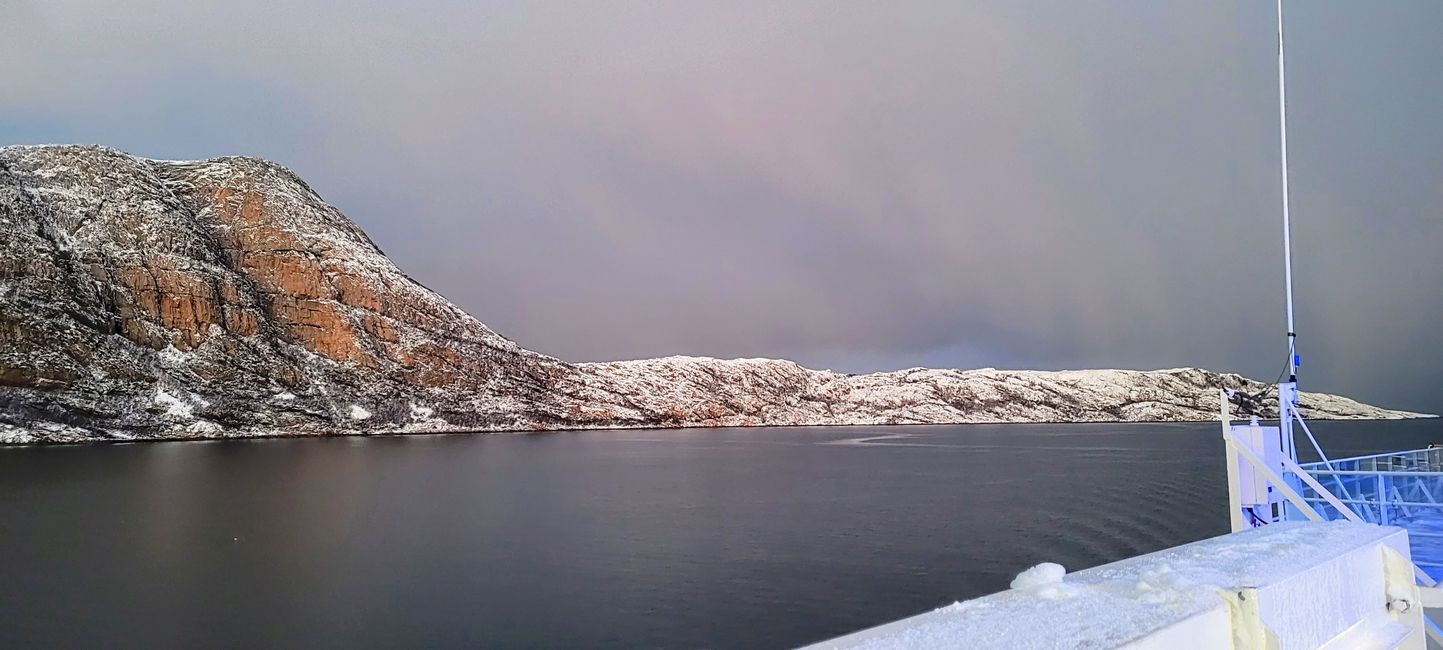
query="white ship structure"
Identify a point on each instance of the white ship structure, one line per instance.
(1337, 553)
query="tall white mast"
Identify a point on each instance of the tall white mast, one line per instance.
(1288, 390)
(1252, 502)
(1287, 230)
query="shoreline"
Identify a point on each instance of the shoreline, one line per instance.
(277, 435)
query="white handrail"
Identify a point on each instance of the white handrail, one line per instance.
(1366, 502)
(1352, 458)
(1366, 472)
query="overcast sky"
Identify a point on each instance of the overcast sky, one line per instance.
(856, 186)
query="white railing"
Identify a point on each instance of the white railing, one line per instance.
(1402, 488)
(1429, 459)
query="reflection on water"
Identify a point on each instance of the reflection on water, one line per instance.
(717, 538)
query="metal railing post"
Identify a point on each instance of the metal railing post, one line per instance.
(1383, 517)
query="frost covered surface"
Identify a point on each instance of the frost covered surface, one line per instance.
(1116, 603)
(145, 299)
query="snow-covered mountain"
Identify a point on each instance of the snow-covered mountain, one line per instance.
(157, 299)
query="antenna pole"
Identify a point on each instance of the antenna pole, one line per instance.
(1287, 391)
(1287, 229)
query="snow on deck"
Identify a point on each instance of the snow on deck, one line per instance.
(1122, 602)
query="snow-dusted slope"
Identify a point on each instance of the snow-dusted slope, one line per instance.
(745, 392)
(157, 299)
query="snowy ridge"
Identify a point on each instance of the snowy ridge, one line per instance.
(145, 299)
(749, 392)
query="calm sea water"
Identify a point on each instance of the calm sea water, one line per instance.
(720, 538)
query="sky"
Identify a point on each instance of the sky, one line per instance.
(1046, 184)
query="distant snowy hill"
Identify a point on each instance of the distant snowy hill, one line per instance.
(157, 299)
(749, 392)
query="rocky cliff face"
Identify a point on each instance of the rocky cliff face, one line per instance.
(156, 299)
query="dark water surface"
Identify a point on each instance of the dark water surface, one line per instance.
(721, 538)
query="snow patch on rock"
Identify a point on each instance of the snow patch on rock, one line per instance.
(172, 355)
(174, 406)
(203, 427)
(13, 435)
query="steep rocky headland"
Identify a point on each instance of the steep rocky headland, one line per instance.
(156, 299)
